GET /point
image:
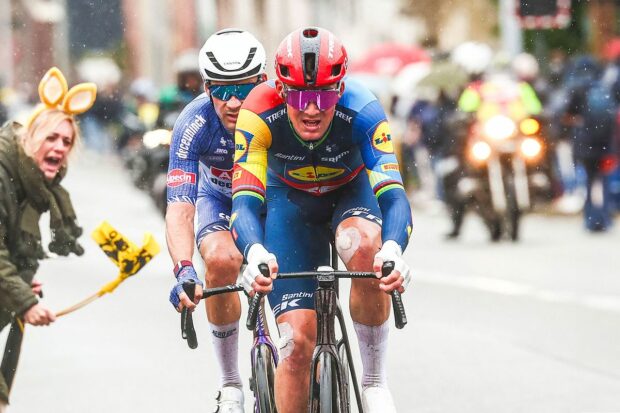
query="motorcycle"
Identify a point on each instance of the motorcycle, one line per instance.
(155, 155)
(506, 162)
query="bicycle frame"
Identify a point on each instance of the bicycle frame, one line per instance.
(327, 310)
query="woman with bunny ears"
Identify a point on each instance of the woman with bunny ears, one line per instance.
(33, 161)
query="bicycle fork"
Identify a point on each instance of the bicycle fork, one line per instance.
(326, 308)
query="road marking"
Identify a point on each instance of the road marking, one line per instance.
(605, 302)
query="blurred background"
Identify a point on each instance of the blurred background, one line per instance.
(502, 110)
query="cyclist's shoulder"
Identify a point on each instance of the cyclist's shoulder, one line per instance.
(197, 118)
(263, 99)
(200, 106)
(356, 95)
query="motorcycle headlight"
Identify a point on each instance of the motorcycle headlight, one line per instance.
(154, 138)
(499, 127)
(531, 148)
(481, 151)
(529, 126)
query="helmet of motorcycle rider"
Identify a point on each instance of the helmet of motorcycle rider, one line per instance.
(525, 67)
(231, 55)
(473, 57)
(310, 57)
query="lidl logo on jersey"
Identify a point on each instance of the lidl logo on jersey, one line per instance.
(389, 167)
(177, 177)
(382, 138)
(309, 173)
(241, 144)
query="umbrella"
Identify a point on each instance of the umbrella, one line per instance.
(408, 78)
(388, 59)
(611, 50)
(445, 76)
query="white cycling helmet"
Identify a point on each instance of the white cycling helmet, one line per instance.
(473, 57)
(230, 55)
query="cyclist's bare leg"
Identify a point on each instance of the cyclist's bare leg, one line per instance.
(357, 242)
(298, 334)
(223, 261)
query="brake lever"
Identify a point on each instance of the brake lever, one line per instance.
(400, 317)
(187, 322)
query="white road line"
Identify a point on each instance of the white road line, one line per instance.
(606, 302)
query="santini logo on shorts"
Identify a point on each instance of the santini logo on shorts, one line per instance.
(178, 177)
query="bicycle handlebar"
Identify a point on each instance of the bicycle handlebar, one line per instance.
(187, 323)
(400, 317)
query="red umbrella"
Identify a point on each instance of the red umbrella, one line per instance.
(611, 50)
(388, 59)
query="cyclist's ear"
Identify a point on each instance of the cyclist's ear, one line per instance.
(205, 86)
(280, 88)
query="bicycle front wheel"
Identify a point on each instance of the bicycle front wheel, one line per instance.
(264, 373)
(327, 387)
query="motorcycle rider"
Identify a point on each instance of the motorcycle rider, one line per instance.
(489, 95)
(232, 62)
(474, 58)
(189, 84)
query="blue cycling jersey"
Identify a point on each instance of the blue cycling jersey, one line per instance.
(201, 155)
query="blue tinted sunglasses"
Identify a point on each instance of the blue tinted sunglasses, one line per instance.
(225, 92)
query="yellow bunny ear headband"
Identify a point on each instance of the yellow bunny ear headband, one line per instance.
(54, 95)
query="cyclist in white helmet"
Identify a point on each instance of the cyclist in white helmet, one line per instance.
(231, 62)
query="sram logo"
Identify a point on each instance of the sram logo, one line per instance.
(178, 177)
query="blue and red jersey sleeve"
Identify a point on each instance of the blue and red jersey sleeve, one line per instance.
(371, 132)
(252, 141)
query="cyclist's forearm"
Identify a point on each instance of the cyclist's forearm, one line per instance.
(245, 223)
(396, 213)
(180, 230)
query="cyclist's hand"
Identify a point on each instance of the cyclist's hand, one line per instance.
(253, 280)
(39, 315)
(178, 298)
(400, 277)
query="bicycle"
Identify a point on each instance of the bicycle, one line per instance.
(331, 359)
(264, 356)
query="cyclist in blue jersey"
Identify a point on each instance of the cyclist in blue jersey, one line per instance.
(320, 156)
(232, 62)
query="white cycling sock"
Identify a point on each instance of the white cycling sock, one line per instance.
(225, 343)
(373, 350)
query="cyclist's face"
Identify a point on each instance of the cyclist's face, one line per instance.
(228, 110)
(310, 123)
(53, 152)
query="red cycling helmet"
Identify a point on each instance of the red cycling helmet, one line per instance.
(311, 57)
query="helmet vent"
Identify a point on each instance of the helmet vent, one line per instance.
(310, 33)
(310, 68)
(284, 70)
(336, 70)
